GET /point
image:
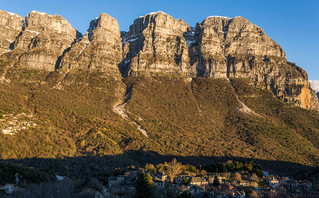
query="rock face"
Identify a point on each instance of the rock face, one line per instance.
(100, 48)
(234, 47)
(156, 43)
(219, 39)
(219, 47)
(10, 26)
(43, 39)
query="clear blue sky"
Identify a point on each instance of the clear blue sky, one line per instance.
(293, 24)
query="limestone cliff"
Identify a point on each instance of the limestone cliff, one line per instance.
(10, 26)
(234, 47)
(100, 48)
(156, 43)
(219, 47)
(42, 40)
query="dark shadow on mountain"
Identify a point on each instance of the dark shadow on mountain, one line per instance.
(136, 43)
(78, 38)
(89, 166)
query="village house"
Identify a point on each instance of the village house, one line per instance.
(221, 179)
(244, 183)
(11, 124)
(273, 182)
(198, 181)
(226, 186)
(158, 183)
(229, 191)
(161, 176)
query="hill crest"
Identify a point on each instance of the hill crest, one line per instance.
(157, 43)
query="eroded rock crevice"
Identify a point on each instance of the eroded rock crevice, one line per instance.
(119, 108)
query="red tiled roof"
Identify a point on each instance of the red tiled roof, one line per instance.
(226, 187)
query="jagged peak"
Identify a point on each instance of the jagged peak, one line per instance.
(11, 14)
(39, 13)
(157, 14)
(225, 17)
(229, 20)
(103, 20)
(35, 12)
(40, 21)
(213, 18)
(105, 15)
(218, 17)
(154, 13)
(95, 21)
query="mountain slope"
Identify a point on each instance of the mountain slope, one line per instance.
(204, 92)
(181, 117)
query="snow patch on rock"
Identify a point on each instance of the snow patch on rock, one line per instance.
(35, 32)
(40, 13)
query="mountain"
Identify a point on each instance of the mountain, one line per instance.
(223, 88)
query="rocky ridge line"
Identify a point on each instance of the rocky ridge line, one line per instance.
(219, 47)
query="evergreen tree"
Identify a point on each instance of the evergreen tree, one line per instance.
(216, 181)
(143, 186)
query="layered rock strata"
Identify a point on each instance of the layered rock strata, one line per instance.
(100, 48)
(234, 47)
(10, 26)
(42, 40)
(219, 47)
(156, 43)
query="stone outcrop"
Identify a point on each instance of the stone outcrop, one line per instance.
(221, 39)
(42, 40)
(219, 47)
(10, 26)
(234, 47)
(156, 43)
(100, 48)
